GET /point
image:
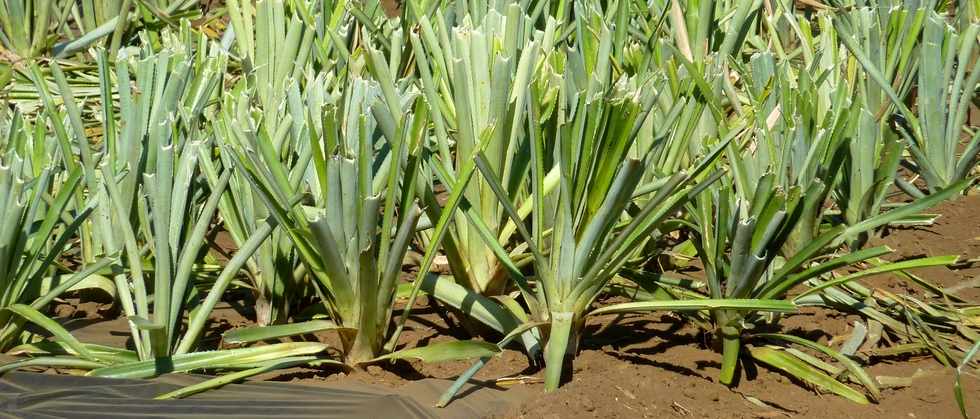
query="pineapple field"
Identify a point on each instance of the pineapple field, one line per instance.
(490, 208)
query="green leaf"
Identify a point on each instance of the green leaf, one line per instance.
(958, 384)
(695, 305)
(260, 333)
(50, 361)
(784, 280)
(104, 353)
(848, 363)
(241, 375)
(79, 280)
(32, 315)
(889, 267)
(228, 358)
(905, 211)
(445, 351)
(803, 371)
(476, 306)
(457, 385)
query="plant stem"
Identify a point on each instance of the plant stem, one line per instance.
(555, 351)
(730, 346)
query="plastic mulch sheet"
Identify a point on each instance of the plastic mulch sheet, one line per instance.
(32, 395)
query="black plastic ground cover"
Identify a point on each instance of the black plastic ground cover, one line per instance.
(49, 396)
(32, 395)
(35, 395)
